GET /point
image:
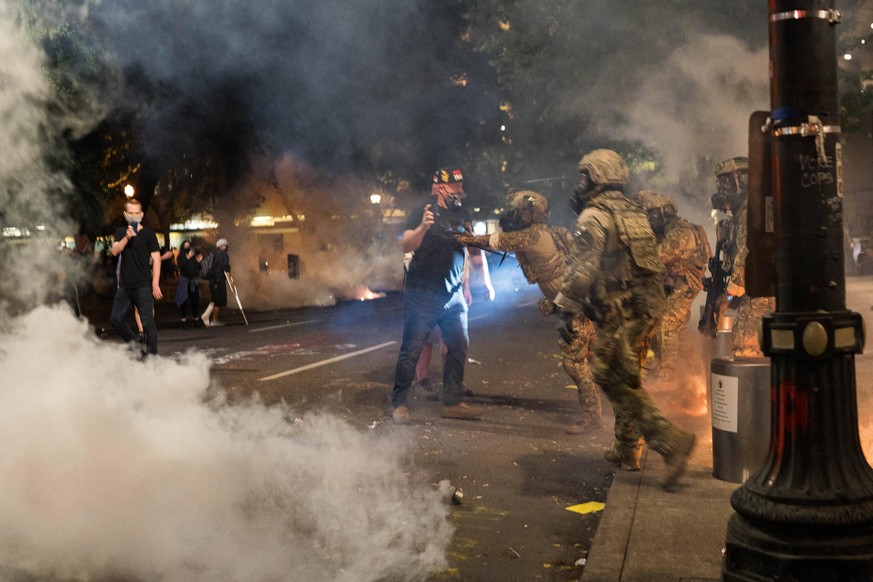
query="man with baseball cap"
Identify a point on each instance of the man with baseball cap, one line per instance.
(435, 295)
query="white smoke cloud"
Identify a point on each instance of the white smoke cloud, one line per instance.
(698, 103)
(25, 178)
(110, 466)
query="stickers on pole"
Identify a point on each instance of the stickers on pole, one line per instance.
(725, 394)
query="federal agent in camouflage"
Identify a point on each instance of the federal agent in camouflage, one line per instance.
(542, 252)
(615, 276)
(732, 195)
(684, 251)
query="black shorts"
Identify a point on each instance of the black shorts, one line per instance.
(218, 292)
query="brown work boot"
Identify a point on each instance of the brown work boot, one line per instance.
(401, 415)
(626, 456)
(584, 426)
(462, 411)
(676, 459)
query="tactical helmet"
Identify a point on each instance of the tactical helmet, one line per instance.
(526, 207)
(605, 167)
(660, 209)
(649, 200)
(732, 179)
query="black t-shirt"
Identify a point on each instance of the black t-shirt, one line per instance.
(438, 264)
(220, 265)
(190, 268)
(135, 268)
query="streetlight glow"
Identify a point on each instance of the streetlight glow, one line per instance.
(375, 198)
(128, 191)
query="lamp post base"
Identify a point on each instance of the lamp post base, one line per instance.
(790, 553)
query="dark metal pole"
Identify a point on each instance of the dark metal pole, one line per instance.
(807, 515)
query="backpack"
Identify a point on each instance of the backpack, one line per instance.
(206, 270)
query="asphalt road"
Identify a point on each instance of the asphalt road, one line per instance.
(518, 470)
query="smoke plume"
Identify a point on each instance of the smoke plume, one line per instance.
(112, 467)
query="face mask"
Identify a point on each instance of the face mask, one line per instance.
(581, 192)
(512, 220)
(657, 220)
(453, 200)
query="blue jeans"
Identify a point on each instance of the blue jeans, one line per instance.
(142, 298)
(421, 312)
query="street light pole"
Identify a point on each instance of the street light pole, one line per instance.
(807, 515)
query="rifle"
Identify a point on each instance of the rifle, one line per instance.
(716, 289)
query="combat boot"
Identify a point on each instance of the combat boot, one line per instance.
(676, 449)
(625, 455)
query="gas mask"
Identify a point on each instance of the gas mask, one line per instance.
(515, 219)
(659, 217)
(454, 200)
(657, 220)
(731, 189)
(582, 192)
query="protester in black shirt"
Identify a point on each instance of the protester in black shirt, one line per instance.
(434, 296)
(217, 284)
(139, 277)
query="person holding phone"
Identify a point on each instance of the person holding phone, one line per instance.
(139, 276)
(434, 296)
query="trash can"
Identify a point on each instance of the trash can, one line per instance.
(739, 401)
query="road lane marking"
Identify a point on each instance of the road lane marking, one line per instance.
(268, 328)
(477, 317)
(527, 304)
(325, 362)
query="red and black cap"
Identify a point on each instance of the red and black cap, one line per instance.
(448, 175)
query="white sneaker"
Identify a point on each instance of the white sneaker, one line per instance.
(205, 320)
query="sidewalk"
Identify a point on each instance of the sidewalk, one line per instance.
(649, 535)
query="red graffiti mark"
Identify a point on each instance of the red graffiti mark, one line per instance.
(792, 412)
(791, 408)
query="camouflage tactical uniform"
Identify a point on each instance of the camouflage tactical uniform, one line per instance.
(731, 196)
(751, 309)
(684, 251)
(542, 251)
(614, 273)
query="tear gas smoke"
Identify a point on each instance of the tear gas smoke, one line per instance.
(113, 467)
(697, 104)
(26, 178)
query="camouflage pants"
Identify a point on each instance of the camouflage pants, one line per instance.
(616, 368)
(577, 363)
(745, 330)
(672, 325)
